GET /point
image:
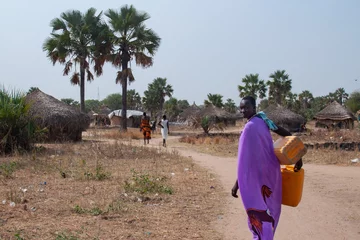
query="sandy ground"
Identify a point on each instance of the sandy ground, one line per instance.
(330, 206)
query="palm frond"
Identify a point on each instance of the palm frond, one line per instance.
(75, 79)
(90, 76)
(143, 60)
(67, 68)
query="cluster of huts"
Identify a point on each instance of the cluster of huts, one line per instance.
(64, 122)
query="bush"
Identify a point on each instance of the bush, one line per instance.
(17, 130)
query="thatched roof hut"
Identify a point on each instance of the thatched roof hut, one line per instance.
(189, 112)
(285, 118)
(335, 115)
(63, 122)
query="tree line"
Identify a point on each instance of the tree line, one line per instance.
(278, 90)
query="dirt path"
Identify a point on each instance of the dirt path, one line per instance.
(330, 207)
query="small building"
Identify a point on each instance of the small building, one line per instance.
(133, 118)
(285, 118)
(335, 116)
(63, 122)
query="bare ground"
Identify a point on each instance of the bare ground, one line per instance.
(330, 207)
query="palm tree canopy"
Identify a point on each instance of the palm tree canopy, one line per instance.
(252, 87)
(78, 38)
(131, 39)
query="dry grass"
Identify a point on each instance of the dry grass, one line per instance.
(227, 146)
(325, 156)
(224, 145)
(97, 190)
(113, 133)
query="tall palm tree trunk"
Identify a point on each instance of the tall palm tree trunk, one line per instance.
(124, 97)
(82, 86)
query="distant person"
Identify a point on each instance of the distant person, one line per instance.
(164, 124)
(153, 126)
(145, 128)
(258, 173)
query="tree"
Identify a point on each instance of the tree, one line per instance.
(230, 106)
(279, 87)
(264, 103)
(183, 104)
(339, 95)
(70, 102)
(214, 99)
(353, 103)
(252, 87)
(92, 105)
(131, 39)
(133, 100)
(172, 108)
(305, 98)
(32, 89)
(78, 38)
(154, 96)
(113, 101)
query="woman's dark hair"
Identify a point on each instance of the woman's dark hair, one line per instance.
(164, 117)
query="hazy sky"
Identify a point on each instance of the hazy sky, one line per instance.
(207, 46)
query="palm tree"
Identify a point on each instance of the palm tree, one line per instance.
(306, 97)
(214, 99)
(131, 39)
(154, 96)
(279, 86)
(252, 87)
(78, 38)
(341, 95)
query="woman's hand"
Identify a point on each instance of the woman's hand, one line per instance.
(235, 189)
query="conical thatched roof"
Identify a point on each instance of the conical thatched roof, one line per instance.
(189, 112)
(334, 111)
(63, 122)
(213, 111)
(284, 117)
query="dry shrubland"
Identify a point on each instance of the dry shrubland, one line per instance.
(97, 190)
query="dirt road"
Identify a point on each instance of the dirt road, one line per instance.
(330, 206)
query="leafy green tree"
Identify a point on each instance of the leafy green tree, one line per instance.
(230, 106)
(252, 86)
(92, 105)
(131, 40)
(154, 96)
(113, 101)
(214, 99)
(279, 87)
(183, 104)
(70, 102)
(133, 100)
(339, 95)
(353, 103)
(264, 103)
(306, 98)
(172, 108)
(79, 39)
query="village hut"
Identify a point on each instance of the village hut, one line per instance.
(100, 118)
(285, 118)
(218, 115)
(189, 112)
(133, 118)
(63, 122)
(335, 116)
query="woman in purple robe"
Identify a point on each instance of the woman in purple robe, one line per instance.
(258, 172)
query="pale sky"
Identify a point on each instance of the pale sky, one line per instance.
(207, 46)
